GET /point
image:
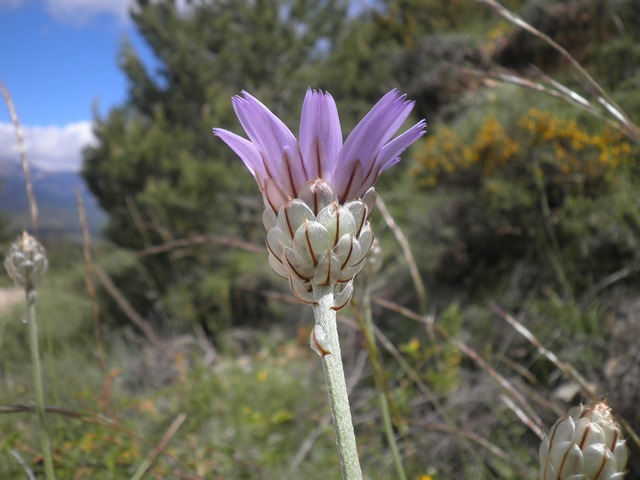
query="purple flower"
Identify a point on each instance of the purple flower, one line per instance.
(282, 165)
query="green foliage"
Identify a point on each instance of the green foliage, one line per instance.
(536, 209)
(160, 174)
(407, 21)
(533, 191)
(246, 415)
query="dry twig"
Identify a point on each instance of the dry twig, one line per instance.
(616, 114)
(200, 240)
(33, 206)
(171, 431)
(125, 306)
(91, 291)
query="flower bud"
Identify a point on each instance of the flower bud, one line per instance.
(26, 262)
(586, 444)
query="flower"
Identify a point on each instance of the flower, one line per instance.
(282, 165)
(586, 444)
(26, 263)
(318, 192)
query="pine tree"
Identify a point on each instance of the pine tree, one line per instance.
(156, 168)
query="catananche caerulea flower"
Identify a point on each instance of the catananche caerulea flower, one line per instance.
(318, 191)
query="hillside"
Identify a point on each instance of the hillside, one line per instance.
(56, 196)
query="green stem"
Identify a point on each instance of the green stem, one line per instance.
(552, 247)
(45, 442)
(336, 385)
(381, 383)
(391, 438)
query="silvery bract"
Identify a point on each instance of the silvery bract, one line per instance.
(26, 262)
(587, 444)
(318, 192)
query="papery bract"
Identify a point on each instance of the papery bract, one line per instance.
(586, 444)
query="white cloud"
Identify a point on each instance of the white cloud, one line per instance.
(50, 148)
(80, 11)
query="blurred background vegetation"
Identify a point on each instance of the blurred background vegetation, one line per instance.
(516, 201)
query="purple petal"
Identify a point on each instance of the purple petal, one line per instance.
(265, 130)
(369, 136)
(245, 150)
(278, 146)
(377, 127)
(390, 154)
(320, 133)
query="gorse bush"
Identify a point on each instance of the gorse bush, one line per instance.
(531, 192)
(539, 147)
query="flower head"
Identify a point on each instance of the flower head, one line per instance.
(318, 192)
(586, 444)
(283, 165)
(26, 263)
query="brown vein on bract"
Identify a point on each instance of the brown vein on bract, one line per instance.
(274, 253)
(289, 173)
(600, 470)
(365, 255)
(615, 440)
(306, 236)
(341, 306)
(585, 434)
(328, 267)
(299, 275)
(336, 209)
(349, 254)
(293, 290)
(286, 216)
(583, 440)
(314, 191)
(564, 459)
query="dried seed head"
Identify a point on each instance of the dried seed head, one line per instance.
(26, 262)
(587, 444)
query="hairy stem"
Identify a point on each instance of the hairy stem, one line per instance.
(336, 386)
(45, 442)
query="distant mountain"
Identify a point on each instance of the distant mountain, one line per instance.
(55, 194)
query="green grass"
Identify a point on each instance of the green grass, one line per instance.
(247, 412)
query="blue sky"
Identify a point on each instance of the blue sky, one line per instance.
(58, 57)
